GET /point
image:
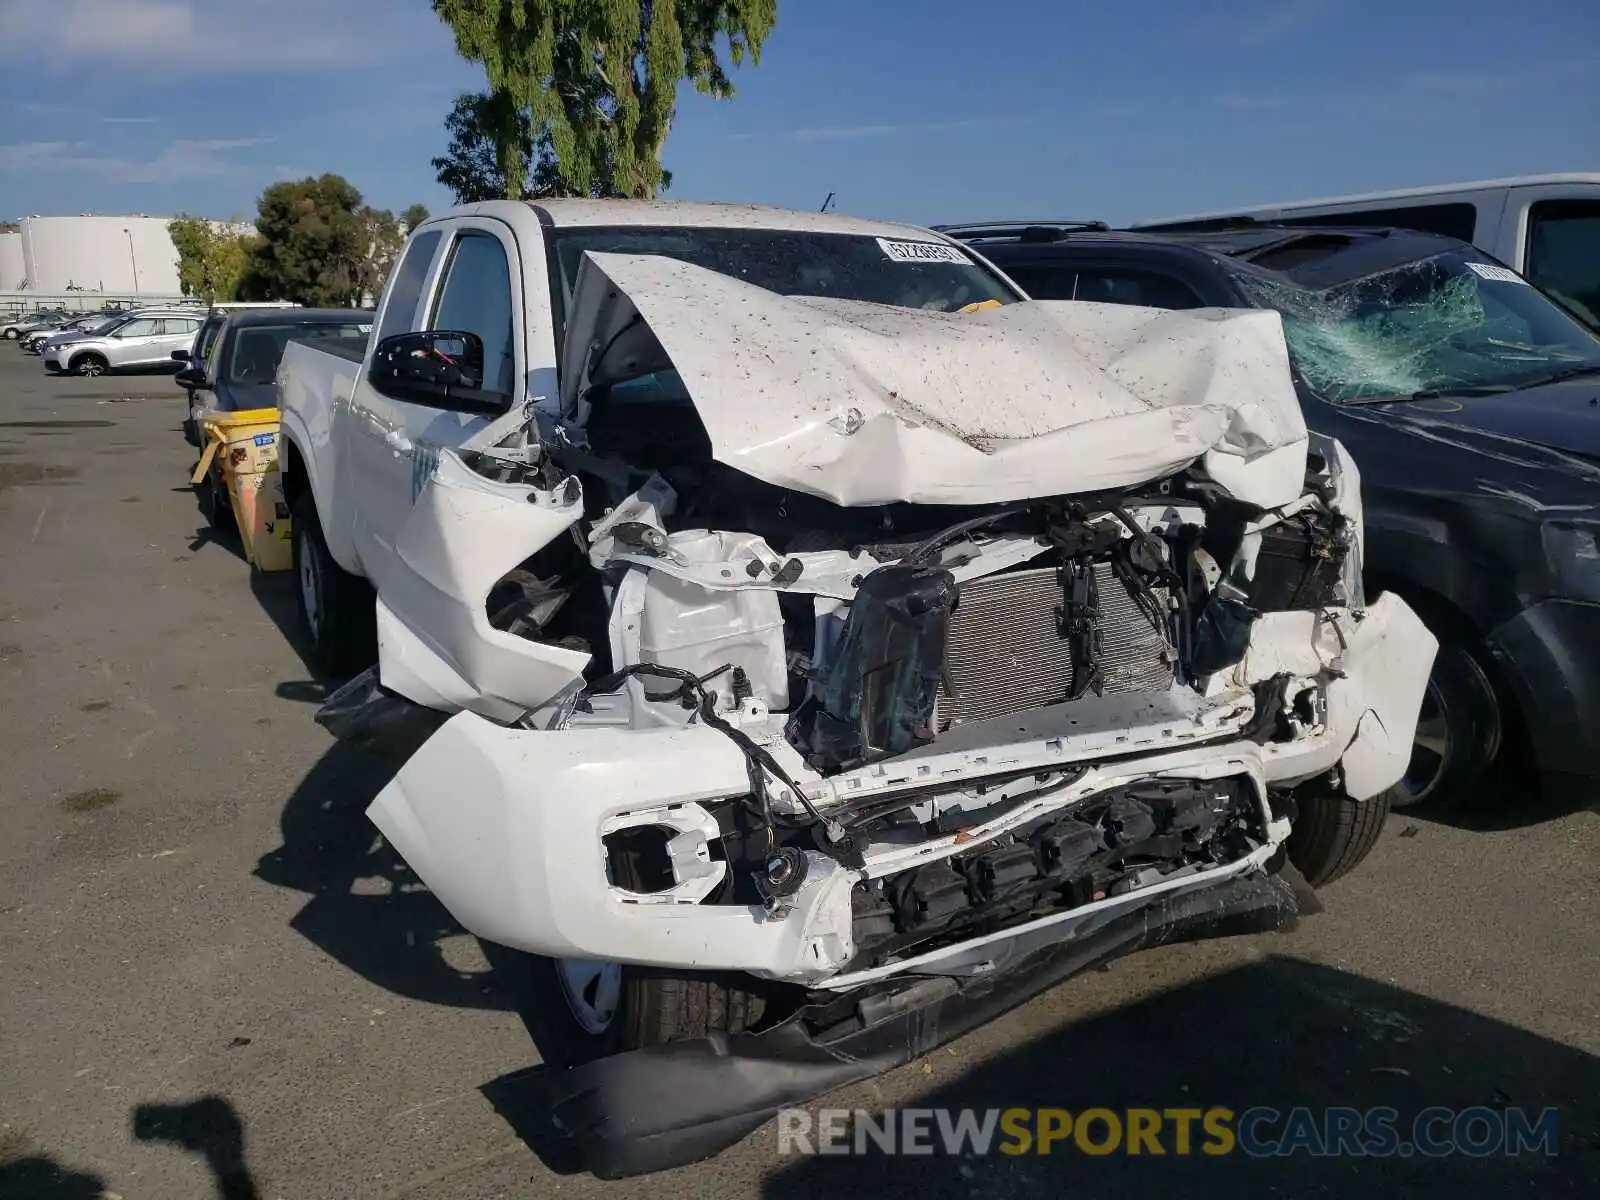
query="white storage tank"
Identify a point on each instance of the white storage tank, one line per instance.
(123, 255)
(12, 270)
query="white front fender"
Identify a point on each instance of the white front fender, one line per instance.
(435, 643)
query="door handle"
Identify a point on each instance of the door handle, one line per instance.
(398, 442)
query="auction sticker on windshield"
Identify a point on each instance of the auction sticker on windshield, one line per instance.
(1498, 274)
(921, 252)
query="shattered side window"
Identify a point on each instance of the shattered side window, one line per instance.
(1439, 323)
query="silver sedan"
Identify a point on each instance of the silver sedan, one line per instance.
(142, 341)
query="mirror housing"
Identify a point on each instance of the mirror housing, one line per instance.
(182, 356)
(436, 368)
(191, 378)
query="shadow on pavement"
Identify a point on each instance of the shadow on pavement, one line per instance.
(210, 1127)
(366, 907)
(38, 1177)
(522, 1101)
(1518, 811)
(276, 595)
(1279, 1033)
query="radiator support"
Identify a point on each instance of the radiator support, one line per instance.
(1005, 653)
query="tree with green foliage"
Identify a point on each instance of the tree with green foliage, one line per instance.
(383, 242)
(412, 217)
(315, 241)
(491, 143)
(598, 78)
(212, 260)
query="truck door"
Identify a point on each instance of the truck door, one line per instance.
(1552, 234)
(394, 444)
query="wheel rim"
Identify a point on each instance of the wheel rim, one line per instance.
(92, 368)
(592, 990)
(310, 584)
(1430, 750)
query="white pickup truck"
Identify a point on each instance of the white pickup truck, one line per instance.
(805, 647)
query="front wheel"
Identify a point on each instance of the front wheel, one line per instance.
(1459, 734)
(12, 335)
(1332, 833)
(91, 365)
(580, 1010)
(338, 610)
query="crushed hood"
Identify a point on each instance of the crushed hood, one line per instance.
(869, 404)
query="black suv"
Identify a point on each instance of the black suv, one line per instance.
(1471, 404)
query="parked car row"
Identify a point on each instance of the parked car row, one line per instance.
(18, 326)
(140, 339)
(31, 341)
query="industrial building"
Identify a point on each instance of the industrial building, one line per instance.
(75, 260)
(131, 255)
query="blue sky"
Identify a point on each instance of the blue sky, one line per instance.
(927, 111)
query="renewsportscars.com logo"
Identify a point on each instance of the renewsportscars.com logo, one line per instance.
(1259, 1132)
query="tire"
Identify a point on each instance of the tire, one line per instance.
(12, 335)
(214, 503)
(1460, 732)
(338, 610)
(91, 365)
(652, 1007)
(1332, 833)
(191, 432)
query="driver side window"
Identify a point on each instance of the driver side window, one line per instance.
(476, 298)
(138, 329)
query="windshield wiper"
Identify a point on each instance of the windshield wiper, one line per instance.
(1565, 373)
(1439, 393)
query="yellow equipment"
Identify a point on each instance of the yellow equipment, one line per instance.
(240, 461)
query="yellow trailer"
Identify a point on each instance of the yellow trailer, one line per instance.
(239, 466)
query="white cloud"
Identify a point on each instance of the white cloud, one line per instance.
(1447, 83)
(1247, 102)
(1279, 20)
(197, 36)
(840, 133)
(832, 133)
(181, 160)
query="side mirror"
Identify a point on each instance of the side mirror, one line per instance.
(439, 369)
(190, 378)
(182, 356)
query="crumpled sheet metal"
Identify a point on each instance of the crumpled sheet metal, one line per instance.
(868, 404)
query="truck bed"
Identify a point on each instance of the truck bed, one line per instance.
(352, 347)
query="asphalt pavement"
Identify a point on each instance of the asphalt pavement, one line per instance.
(215, 980)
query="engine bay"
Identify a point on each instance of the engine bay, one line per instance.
(876, 631)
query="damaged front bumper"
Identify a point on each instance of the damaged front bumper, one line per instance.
(670, 1105)
(508, 826)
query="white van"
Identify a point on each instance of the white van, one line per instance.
(1545, 226)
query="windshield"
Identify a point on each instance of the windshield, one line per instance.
(257, 349)
(1449, 322)
(909, 273)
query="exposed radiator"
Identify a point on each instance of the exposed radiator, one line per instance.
(1005, 653)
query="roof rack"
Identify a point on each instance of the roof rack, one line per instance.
(1024, 231)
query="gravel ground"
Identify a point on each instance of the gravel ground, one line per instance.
(215, 980)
